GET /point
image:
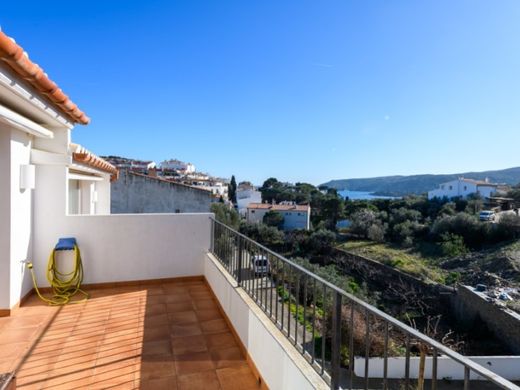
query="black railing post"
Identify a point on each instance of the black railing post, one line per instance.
(212, 236)
(240, 256)
(335, 341)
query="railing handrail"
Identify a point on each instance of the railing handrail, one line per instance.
(475, 367)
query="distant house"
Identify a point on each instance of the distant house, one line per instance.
(295, 216)
(246, 194)
(463, 187)
(178, 166)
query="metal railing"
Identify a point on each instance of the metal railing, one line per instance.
(331, 327)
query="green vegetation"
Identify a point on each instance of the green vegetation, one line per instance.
(232, 190)
(274, 219)
(409, 260)
(226, 215)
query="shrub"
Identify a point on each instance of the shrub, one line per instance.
(467, 226)
(273, 218)
(508, 226)
(452, 245)
(363, 222)
(225, 214)
(376, 232)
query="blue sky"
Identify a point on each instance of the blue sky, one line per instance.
(298, 90)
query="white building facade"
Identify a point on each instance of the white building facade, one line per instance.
(245, 196)
(177, 165)
(294, 216)
(462, 188)
(43, 176)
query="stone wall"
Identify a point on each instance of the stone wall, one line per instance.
(135, 193)
(470, 305)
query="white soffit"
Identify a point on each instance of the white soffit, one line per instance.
(20, 122)
(79, 176)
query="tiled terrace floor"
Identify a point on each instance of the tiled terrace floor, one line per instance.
(160, 336)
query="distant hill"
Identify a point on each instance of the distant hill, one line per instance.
(418, 184)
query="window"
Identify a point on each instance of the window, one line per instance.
(177, 211)
(252, 211)
(465, 188)
(451, 187)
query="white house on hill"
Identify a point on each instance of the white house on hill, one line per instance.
(462, 187)
(295, 216)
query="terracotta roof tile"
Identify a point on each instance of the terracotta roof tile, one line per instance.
(15, 57)
(83, 156)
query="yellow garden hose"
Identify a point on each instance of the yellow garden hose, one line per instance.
(64, 285)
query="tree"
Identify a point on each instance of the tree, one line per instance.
(232, 190)
(225, 214)
(273, 218)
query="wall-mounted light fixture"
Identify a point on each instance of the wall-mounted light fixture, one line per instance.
(27, 174)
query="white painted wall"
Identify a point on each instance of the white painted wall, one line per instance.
(279, 363)
(462, 188)
(21, 214)
(505, 366)
(292, 219)
(5, 216)
(129, 246)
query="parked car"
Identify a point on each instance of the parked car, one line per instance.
(260, 265)
(487, 215)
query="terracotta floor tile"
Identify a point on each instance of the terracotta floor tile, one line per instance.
(228, 357)
(153, 321)
(57, 380)
(25, 321)
(7, 365)
(158, 308)
(177, 297)
(201, 294)
(193, 362)
(182, 317)
(12, 350)
(208, 314)
(114, 376)
(183, 330)
(161, 332)
(154, 367)
(155, 299)
(189, 344)
(160, 336)
(237, 378)
(214, 326)
(16, 335)
(165, 383)
(204, 304)
(220, 340)
(179, 306)
(160, 347)
(207, 380)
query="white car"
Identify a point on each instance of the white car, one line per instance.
(487, 215)
(260, 264)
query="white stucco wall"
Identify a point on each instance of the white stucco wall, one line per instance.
(504, 366)
(280, 364)
(21, 214)
(129, 247)
(5, 216)
(292, 219)
(456, 188)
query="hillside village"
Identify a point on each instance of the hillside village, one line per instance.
(125, 273)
